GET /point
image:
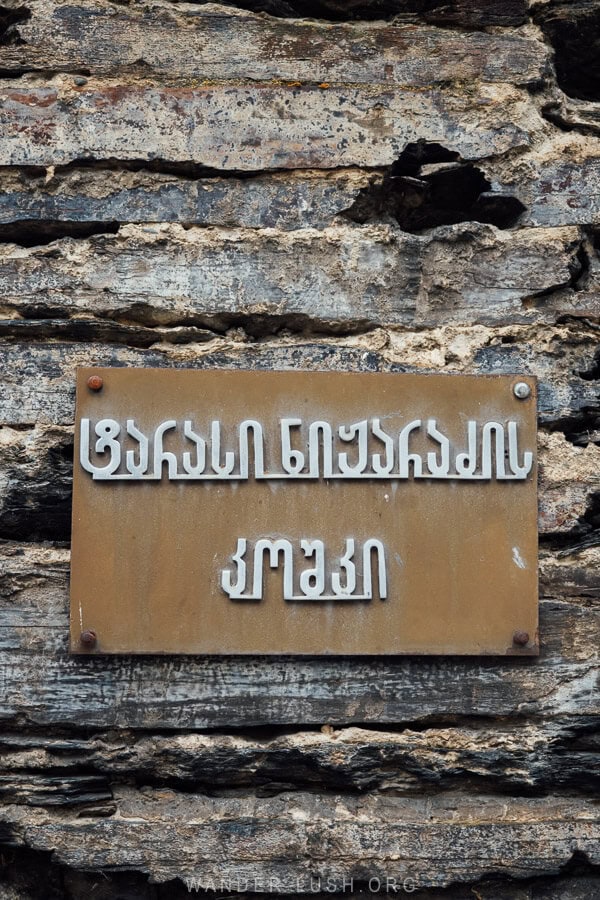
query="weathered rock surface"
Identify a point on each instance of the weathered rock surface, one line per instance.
(343, 275)
(557, 184)
(376, 185)
(565, 397)
(291, 840)
(571, 575)
(47, 206)
(268, 127)
(226, 45)
(532, 758)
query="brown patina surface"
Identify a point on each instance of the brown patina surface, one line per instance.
(461, 555)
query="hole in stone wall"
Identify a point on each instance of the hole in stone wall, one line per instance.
(428, 186)
(9, 35)
(582, 428)
(458, 13)
(579, 863)
(34, 232)
(593, 373)
(573, 29)
(38, 507)
(591, 520)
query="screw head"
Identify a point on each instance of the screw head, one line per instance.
(88, 638)
(521, 390)
(95, 383)
(520, 638)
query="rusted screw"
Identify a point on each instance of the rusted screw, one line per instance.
(95, 383)
(521, 638)
(88, 638)
(521, 390)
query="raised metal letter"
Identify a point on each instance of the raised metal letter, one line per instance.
(312, 581)
(443, 467)
(405, 457)
(160, 455)
(195, 469)
(236, 591)
(137, 470)
(107, 430)
(259, 455)
(291, 460)
(348, 433)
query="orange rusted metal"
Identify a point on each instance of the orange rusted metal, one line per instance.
(95, 383)
(397, 513)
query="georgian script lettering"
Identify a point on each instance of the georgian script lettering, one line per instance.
(307, 579)
(182, 451)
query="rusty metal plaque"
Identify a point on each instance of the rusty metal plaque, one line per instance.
(230, 512)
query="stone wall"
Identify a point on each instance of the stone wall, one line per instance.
(394, 185)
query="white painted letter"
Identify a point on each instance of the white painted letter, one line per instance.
(347, 565)
(405, 457)
(291, 460)
(443, 467)
(312, 581)
(191, 468)
(142, 467)
(236, 591)
(486, 450)
(369, 545)
(348, 434)
(316, 429)
(466, 463)
(379, 433)
(274, 548)
(259, 454)
(227, 468)
(107, 430)
(513, 454)
(160, 455)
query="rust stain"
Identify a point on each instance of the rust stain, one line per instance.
(95, 383)
(33, 98)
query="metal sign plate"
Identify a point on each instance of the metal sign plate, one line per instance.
(303, 513)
